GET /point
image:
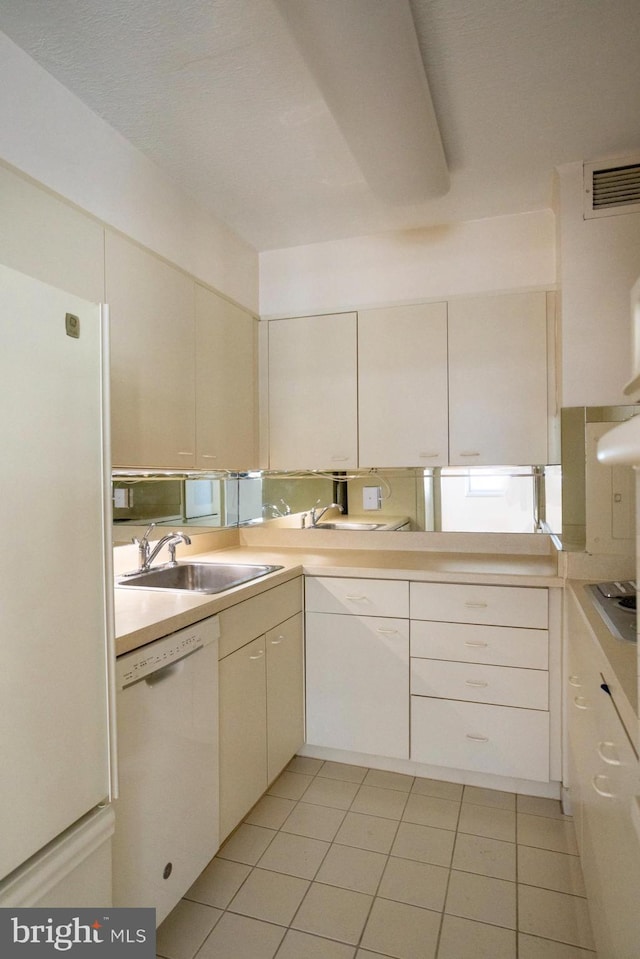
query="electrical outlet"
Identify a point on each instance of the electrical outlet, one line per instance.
(372, 497)
(122, 498)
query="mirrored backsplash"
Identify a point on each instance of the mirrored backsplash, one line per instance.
(496, 499)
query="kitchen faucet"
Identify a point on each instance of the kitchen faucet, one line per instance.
(316, 517)
(146, 554)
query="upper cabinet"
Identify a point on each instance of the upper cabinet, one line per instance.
(183, 368)
(402, 386)
(226, 384)
(464, 383)
(313, 393)
(498, 380)
(152, 318)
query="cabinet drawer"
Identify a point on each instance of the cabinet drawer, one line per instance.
(243, 622)
(474, 736)
(495, 605)
(502, 685)
(496, 645)
(364, 597)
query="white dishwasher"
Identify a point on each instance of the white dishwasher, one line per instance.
(167, 810)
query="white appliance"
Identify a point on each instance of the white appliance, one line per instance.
(56, 682)
(167, 809)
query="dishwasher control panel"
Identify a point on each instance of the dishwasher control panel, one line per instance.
(140, 663)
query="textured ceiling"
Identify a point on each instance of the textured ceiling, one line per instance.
(217, 94)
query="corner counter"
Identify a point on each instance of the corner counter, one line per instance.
(145, 615)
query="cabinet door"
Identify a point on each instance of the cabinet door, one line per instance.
(151, 310)
(358, 683)
(313, 392)
(243, 733)
(498, 380)
(226, 381)
(285, 694)
(402, 386)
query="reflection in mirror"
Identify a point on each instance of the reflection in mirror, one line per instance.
(497, 499)
(171, 501)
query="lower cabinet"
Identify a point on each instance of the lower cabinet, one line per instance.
(358, 665)
(603, 788)
(261, 690)
(480, 679)
(357, 682)
(451, 675)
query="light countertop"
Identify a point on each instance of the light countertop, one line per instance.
(145, 615)
(621, 657)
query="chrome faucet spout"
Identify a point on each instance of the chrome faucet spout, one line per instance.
(147, 554)
(317, 516)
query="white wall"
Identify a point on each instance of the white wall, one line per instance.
(599, 261)
(480, 256)
(47, 133)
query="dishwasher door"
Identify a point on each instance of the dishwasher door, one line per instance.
(167, 810)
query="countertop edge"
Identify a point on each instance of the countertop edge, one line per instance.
(621, 657)
(143, 616)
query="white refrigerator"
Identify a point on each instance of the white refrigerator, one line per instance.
(57, 744)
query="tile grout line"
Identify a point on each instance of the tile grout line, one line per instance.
(315, 776)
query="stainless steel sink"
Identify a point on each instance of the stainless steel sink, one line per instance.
(347, 525)
(196, 577)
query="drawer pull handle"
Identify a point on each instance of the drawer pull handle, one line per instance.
(257, 655)
(605, 793)
(356, 599)
(575, 681)
(612, 758)
(276, 642)
(477, 739)
(428, 456)
(387, 632)
(469, 453)
(471, 604)
(339, 459)
(476, 682)
(580, 702)
(476, 645)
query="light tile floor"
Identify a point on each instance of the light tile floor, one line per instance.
(345, 862)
